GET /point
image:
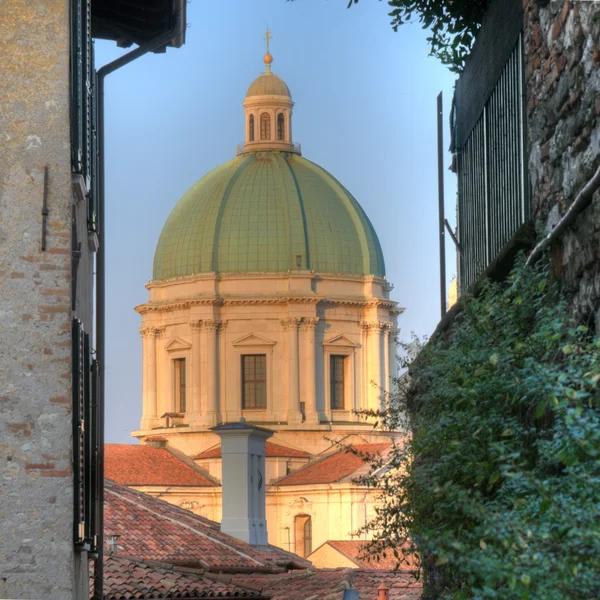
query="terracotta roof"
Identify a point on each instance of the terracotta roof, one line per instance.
(272, 450)
(335, 467)
(330, 584)
(356, 551)
(126, 578)
(142, 465)
(155, 530)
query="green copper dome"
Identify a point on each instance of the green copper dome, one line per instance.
(267, 212)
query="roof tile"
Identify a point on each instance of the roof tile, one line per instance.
(272, 450)
(131, 464)
(151, 529)
(334, 467)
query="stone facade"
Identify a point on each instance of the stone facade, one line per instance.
(562, 59)
(37, 555)
(211, 321)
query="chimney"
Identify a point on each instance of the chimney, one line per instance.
(382, 592)
(243, 481)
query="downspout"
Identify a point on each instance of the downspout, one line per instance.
(107, 69)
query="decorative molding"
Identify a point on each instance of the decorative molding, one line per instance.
(253, 339)
(290, 323)
(341, 340)
(154, 331)
(177, 344)
(196, 325)
(211, 324)
(309, 322)
(156, 307)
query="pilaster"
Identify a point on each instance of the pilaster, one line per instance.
(307, 374)
(195, 413)
(149, 377)
(291, 326)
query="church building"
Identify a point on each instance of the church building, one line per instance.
(269, 304)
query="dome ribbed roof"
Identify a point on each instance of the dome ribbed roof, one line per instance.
(267, 212)
(268, 84)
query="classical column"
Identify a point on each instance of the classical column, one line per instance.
(149, 406)
(210, 328)
(195, 369)
(307, 374)
(291, 326)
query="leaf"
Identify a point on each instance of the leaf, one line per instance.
(482, 544)
(525, 579)
(540, 409)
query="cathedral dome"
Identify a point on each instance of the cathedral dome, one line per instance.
(268, 84)
(269, 211)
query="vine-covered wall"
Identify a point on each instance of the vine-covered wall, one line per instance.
(562, 73)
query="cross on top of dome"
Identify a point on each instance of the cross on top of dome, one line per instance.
(268, 58)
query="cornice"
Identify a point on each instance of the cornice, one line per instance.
(153, 307)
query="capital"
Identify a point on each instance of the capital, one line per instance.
(196, 325)
(290, 323)
(309, 322)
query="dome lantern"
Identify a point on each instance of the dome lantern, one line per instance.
(268, 111)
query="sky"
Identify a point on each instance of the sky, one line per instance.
(365, 110)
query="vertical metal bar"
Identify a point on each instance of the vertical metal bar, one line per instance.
(525, 209)
(441, 230)
(45, 209)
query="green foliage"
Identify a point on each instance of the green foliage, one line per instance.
(499, 485)
(453, 25)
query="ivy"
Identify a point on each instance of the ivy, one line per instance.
(496, 492)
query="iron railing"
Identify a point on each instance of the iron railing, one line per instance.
(493, 198)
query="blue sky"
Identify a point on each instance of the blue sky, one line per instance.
(365, 111)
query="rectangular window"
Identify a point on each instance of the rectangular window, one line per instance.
(179, 384)
(254, 381)
(336, 380)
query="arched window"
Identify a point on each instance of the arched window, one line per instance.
(265, 126)
(251, 128)
(280, 127)
(303, 535)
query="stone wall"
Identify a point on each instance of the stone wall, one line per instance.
(37, 558)
(562, 58)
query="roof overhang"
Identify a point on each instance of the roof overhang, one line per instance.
(130, 22)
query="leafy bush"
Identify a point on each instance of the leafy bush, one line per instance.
(499, 485)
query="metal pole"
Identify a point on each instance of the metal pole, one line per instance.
(149, 46)
(441, 231)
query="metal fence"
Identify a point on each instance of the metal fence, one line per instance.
(493, 198)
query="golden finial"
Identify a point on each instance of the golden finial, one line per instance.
(268, 58)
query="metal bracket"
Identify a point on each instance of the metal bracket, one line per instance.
(454, 238)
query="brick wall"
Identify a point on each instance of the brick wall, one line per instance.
(37, 559)
(562, 57)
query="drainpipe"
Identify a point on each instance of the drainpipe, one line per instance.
(149, 46)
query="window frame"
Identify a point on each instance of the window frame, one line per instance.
(265, 127)
(340, 345)
(256, 381)
(178, 405)
(305, 540)
(251, 128)
(280, 126)
(334, 380)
